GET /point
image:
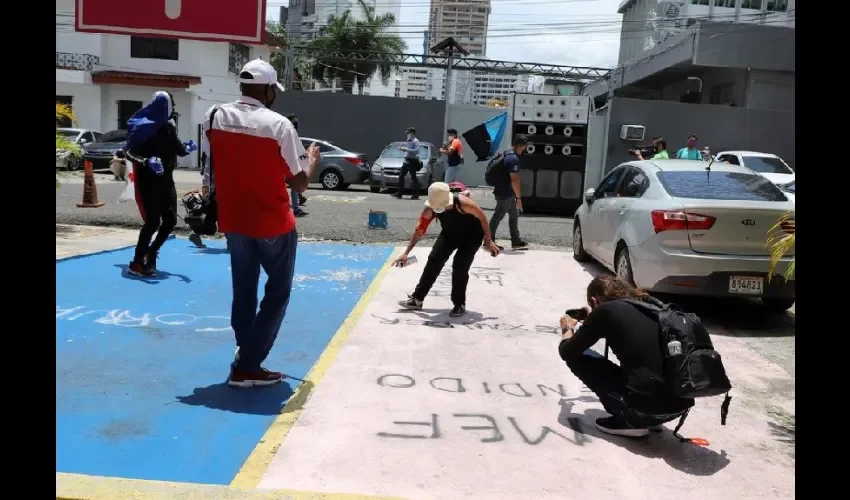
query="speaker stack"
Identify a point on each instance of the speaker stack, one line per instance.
(552, 168)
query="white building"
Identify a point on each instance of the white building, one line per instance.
(646, 23)
(496, 87)
(412, 83)
(107, 78)
(464, 20)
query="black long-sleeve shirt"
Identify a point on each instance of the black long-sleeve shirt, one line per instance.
(632, 336)
(165, 145)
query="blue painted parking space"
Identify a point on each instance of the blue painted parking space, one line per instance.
(141, 364)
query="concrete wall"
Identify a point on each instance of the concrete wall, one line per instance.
(464, 117)
(753, 46)
(596, 145)
(719, 127)
(363, 124)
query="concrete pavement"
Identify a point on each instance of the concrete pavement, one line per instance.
(334, 215)
(420, 406)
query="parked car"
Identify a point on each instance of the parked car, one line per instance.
(100, 152)
(768, 165)
(67, 160)
(672, 226)
(386, 168)
(337, 167)
(789, 188)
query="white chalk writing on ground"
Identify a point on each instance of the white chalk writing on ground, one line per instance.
(126, 318)
(443, 286)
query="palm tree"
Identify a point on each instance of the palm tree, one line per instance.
(781, 240)
(64, 112)
(345, 34)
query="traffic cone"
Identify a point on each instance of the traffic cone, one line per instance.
(89, 189)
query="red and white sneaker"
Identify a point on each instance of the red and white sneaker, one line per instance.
(254, 379)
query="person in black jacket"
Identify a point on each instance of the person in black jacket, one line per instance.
(153, 147)
(634, 393)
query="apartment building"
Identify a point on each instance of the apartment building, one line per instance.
(412, 83)
(490, 87)
(464, 20)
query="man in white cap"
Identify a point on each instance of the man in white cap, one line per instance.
(253, 153)
(463, 228)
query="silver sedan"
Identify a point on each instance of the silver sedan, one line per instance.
(676, 226)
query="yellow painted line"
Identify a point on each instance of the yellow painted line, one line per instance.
(82, 487)
(258, 461)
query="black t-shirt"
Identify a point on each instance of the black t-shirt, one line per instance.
(632, 336)
(503, 188)
(164, 144)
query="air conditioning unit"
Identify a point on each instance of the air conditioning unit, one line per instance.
(632, 132)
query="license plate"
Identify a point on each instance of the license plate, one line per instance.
(746, 285)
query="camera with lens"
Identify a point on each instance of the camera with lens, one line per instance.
(645, 151)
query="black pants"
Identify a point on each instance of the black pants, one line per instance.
(606, 380)
(411, 167)
(466, 246)
(157, 201)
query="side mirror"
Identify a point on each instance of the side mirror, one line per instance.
(83, 141)
(590, 195)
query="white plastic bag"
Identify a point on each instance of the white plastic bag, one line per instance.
(129, 193)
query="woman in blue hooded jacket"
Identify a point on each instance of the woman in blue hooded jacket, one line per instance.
(153, 147)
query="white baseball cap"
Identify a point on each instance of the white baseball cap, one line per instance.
(439, 197)
(262, 73)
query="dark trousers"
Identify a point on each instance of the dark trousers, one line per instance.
(465, 246)
(157, 202)
(506, 206)
(255, 330)
(606, 380)
(409, 167)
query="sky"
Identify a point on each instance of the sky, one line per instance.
(567, 32)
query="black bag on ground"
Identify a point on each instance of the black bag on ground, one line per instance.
(494, 167)
(692, 368)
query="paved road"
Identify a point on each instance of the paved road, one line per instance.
(331, 213)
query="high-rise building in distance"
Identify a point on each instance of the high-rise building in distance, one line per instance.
(464, 20)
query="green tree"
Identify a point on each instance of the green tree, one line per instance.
(278, 58)
(346, 34)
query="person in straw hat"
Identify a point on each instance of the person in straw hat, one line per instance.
(463, 229)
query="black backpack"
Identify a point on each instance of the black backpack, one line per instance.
(692, 368)
(494, 168)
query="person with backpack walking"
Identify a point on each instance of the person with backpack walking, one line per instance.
(666, 358)
(453, 150)
(463, 228)
(503, 174)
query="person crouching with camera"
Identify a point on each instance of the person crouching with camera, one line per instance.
(634, 393)
(659, 151)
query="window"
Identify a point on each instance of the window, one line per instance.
(114, 136)
(608, 186)
(237, 57)
(154, 48)
(751, 4)
(89, 137)
(634, 183)
(721, 94)
(392, 151)
(777, 5)
(766, 165)
(97, 136)
(68, 101)
(725, 3)
(126, 109)
(718, 185)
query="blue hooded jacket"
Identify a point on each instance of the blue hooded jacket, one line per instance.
(147, 121)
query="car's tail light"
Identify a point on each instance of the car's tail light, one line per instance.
(678, 220)
(789, 226)
(355, 160)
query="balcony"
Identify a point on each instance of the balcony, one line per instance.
(78, 62)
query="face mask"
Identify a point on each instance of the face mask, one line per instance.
(692, 143)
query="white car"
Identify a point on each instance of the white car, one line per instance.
(768, 165)
(66, 160)
(673, 226)
(790, 190)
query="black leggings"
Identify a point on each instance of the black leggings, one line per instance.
(466, 246)
(157, 201)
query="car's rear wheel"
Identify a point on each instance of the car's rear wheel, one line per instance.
(623, 265)
(75, 163)
(778, 305)
(578, 245)
(331, 179)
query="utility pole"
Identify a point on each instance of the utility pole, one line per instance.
(289, 68)
(448, 47)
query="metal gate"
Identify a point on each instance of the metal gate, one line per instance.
(552, 169)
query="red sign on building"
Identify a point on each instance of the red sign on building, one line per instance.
(239, 21)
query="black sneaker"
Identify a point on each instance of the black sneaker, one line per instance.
(414, 197)
(254, 379)
(301, 199)
(616, 427)
(195, 238)
(139, 269)
(457, 311)
(519, 245)
(411, 304)
(299, 213)
(150, 264)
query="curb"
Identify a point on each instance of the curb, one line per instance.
(82, 487)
